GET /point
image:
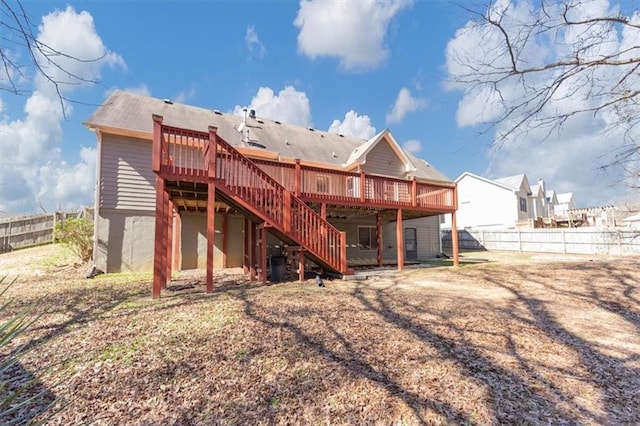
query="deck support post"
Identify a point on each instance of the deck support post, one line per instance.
(343, 251)
(400, 239)
(263, 253)
(363, 186)
(301, 265)
(169, 255)
(454, 229)
(252, 252)
(177, 238)
(245, 251)
(159, 250)
(454, 240)
(211, 234)
(379, 238)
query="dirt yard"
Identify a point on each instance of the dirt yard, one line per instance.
(503, 339)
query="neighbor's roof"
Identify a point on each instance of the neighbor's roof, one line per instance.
(514, 182)
(132, 113)
(565, 197)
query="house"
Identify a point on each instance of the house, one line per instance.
(492, 204)
(632, 221)
(183, 187)
(566, 202)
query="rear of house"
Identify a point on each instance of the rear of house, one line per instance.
(342, 169)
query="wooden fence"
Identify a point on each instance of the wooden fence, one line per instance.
(27, 231)
(614, 241)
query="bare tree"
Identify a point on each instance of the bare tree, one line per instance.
(23, 56)
(541, 63)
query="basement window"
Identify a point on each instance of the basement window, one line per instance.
(367, 238)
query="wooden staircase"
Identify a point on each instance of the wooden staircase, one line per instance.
(243, 185)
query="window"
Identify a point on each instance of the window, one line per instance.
(322, 184)
(367, 238)
(523, 204)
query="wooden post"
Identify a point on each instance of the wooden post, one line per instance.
(454, 229)
(159, 251)
(169, 259)
(454, 239)
(414, 192)
(252, 253)
(225, 238)
(156, 149)
(343, 251)
(297, 178)
(211, 153)
(245, 251)
(177, 241)
(362, 186)
(211, 215)
(286, 214)
(323, 211)
(263, 253)
(379, 238)
(400, 239)
(301, 265)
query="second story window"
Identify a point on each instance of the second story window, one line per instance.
(523, 204)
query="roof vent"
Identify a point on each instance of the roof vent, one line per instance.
(341, 135)
(168, 101)
(286, 142)
(334, 154)
(260, 121)
(312, 129)
(215, 111)
(276, 121)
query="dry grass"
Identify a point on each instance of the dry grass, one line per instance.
(521, 339)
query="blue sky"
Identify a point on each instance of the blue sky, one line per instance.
(356, 65)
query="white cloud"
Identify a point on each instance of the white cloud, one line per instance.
(569, 158)
(413, 146)
(33, 174)
(254, 45)
(355, 125)
(405, 103)
(353, 31)
(288, 106)
(184, 95)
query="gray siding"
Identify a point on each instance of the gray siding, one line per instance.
(382, 160)
(427, 233)
(126, 178)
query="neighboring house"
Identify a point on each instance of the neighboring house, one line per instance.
(632, 221)
(181, 187)
(552, 201)
(492, 204)
(566, 202)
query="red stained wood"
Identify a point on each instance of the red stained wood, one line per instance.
(400, 239)
(159, 250)
(211, 214)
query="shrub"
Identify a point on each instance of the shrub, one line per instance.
(77, 234)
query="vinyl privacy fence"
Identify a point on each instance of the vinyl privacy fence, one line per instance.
(615, 241)
(30, 231)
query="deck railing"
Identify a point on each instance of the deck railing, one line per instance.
(181, 154)
(243, 179)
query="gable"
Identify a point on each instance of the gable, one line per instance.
(382, 160)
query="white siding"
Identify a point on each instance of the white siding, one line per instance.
(382, 160)
(482, 204)
(126, 178)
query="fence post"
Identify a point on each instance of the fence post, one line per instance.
(519, 241)
(619, 241)
(564, 242)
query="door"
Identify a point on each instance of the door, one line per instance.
(410, 244)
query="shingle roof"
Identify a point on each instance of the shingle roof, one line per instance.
(513, 182)
(132, 112)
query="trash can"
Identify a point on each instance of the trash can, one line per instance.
(278, 268)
